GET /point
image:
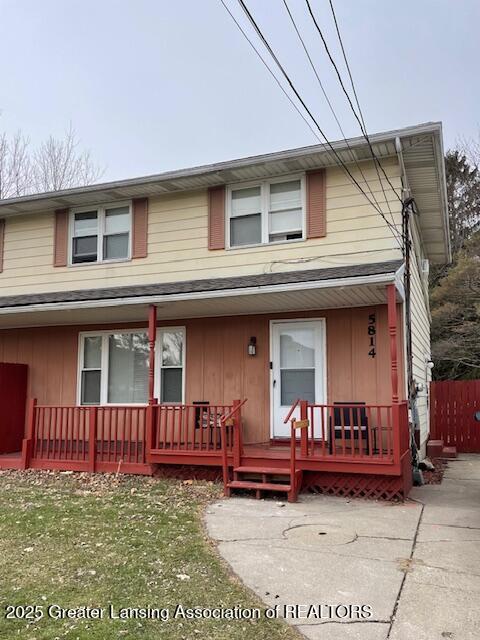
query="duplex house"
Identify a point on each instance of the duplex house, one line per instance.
(251, 315)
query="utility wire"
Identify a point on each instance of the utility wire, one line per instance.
(299, 97)
(275, 77)
(292, 19)
(347, 65)
(357, 101)
(271, 72)
(376, 160)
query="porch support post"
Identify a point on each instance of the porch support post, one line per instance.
(152, 336)
(392, 329)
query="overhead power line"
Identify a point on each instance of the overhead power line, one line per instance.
(308, 111)
(362, 128)
(289, 98)
(292, 19)
(304, 105)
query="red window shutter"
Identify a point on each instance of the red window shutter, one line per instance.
(60, 252)
(140, 228)
(2, 242)
(316, 204)
(216, 218)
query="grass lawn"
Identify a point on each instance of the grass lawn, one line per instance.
(79, 540)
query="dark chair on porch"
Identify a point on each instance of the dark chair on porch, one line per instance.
(208, 418)
(350, 423)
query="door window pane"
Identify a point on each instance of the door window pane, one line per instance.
(171, 390)
(246, 230)
(92, 352)
(91, 387)
(297, 349)
(172, 348)
(128, 368)
(115, 247)
(297, 383)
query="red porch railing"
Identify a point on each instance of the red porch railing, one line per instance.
(189, 427)
(61, 433)
(231, 423)
(87, 436)
(102, 438)
(356, 432)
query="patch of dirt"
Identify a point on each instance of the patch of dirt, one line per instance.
(435, 476)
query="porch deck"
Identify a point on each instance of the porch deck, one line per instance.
(130, 439)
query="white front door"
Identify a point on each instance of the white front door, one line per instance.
(298, 368)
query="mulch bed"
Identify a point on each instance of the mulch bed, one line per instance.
(435, 476)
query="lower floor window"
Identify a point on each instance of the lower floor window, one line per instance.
(114, 367)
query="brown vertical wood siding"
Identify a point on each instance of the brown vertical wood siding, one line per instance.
(316, 204)
(60, 254)
(2, 242)
(218, 368)
(216, 218)
(140, 228)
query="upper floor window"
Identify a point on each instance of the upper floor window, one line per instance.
(100, 234)
(269, 211)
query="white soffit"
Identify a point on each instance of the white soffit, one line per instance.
(280, 302)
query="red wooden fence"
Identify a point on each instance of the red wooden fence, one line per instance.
(452, 410)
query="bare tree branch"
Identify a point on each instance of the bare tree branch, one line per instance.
(15, 166)
(58, 163)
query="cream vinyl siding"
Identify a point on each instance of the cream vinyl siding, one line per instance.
(420, 340)
(177, 242)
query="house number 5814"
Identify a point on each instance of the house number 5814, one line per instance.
(372, 334)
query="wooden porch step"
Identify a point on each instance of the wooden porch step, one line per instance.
(434, 448)
(271, 471)
(264, 486)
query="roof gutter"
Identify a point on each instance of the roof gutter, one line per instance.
(382, 278)
(216, 169)
(443, 191)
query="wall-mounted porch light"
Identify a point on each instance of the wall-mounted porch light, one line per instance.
(252, 346)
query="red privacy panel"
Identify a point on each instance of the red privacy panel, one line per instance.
(13, 394)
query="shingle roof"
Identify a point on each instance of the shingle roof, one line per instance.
(204, 285)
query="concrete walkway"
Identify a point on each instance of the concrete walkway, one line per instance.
(417, 565)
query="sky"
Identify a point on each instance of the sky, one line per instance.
(154, 85)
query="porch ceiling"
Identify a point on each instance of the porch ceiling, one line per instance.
(353, 295)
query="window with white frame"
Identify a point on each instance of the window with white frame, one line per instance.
(271, 211)
(114, 366)
(100, 234)
(171, 341)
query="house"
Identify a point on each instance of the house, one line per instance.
(203, 316)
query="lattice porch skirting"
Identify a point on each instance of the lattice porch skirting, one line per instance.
(355, 485)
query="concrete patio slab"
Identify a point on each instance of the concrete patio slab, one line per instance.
(427, 612)
(415, 564)
(285, 576)
(340, 631)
